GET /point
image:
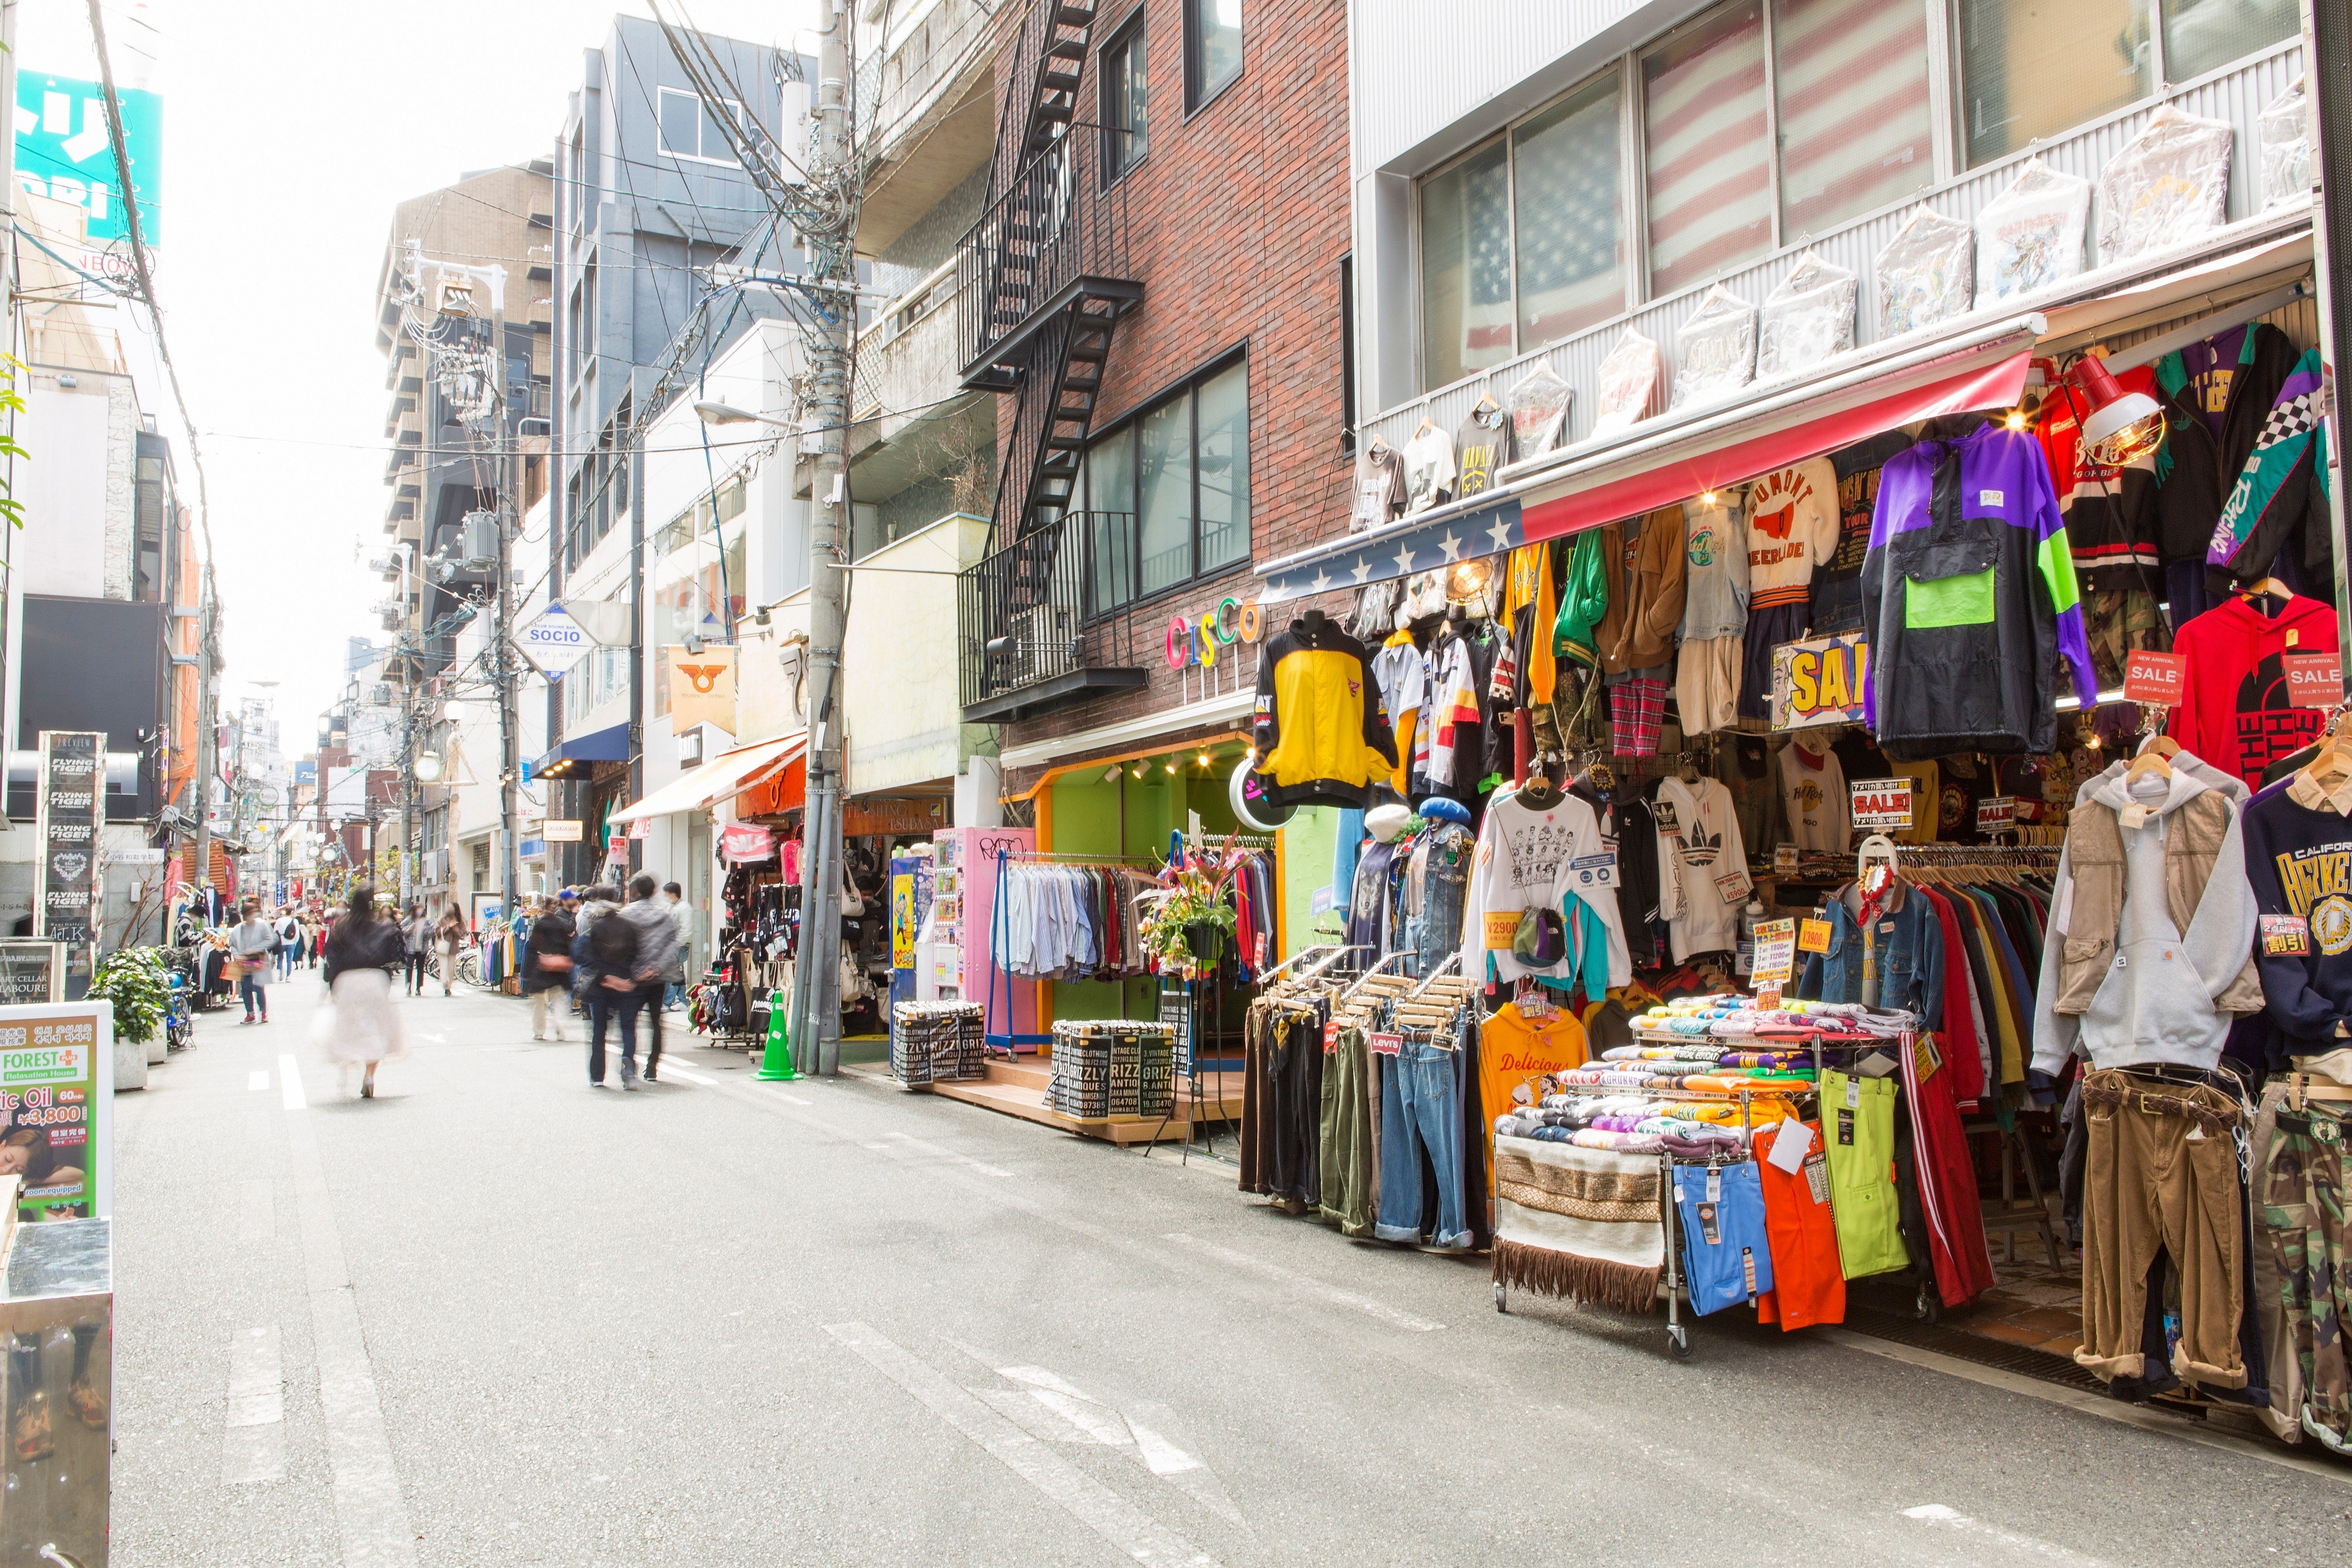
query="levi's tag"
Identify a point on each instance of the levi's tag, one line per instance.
(1790, 1144)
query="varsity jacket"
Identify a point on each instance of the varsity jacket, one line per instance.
(1970, 599)
(2282, 488)
(2110, 512)
(1321, 730)
(2159, 998)
(1645, 592)
(2197, 467)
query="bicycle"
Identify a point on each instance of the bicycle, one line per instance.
(470, 966)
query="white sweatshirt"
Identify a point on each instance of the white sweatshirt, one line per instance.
(1699, 842)
(1522, 855)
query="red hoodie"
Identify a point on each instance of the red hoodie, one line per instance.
(2235, 713)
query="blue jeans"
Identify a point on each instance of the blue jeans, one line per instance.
(604, 1004)
(674, 994)
(255, 993)
(1420, 1113)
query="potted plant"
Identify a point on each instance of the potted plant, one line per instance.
(1186, 927)
(135, 981)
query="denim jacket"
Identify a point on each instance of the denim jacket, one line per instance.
(1910, 952)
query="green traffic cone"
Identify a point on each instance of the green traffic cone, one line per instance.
(777, 1067)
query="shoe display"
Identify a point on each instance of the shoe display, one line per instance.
(87, 1404)
(31, 1436)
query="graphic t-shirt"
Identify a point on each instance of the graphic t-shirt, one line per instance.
(1926, 801)
(1792, 526)
(1957, 795)
(1702, 866)
(2235, 713)
(1522, 850)
(1813, 795)
(1715, 593)
(1479, 449)
(1428, 469)
(1837, 582)
(1378, 491)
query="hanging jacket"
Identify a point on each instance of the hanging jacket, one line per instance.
(1320, 731)
(1970, 598)
(1644, 593)
(1906, 952)
(2110, 511)
(2198, 464)
(1583, 600)
(2282, 492)
(2160, 997)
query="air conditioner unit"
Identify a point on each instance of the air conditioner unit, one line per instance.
(1046, 645)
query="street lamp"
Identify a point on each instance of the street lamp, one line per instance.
(728, 414)
(428, 767)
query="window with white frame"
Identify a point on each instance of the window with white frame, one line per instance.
(688, 128)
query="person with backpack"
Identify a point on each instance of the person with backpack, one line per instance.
(605, 958)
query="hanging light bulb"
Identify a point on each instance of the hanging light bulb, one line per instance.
(1172, 765)
(1204, 760)
(2122, 426)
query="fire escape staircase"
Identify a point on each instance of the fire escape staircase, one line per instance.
(1042, 282)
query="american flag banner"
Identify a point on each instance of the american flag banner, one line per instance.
(1709, 156)
(1465, 241)
(1571, 218)
(1852, 77)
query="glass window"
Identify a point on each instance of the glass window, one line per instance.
(1225, 468)
(1466, 266)
(2200, 36)
(690, 130)
(1571, 215)
(1852, 79)
(1710, 176)
(1127, 93)
(1213, 47)
(2035, 67)
(1110, 492)
(1164, 495)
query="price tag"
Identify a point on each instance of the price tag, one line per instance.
(1715, 1184)
(2153, 677)
(2285, 936)
(1733, 885)
(1776, 952)
(1881, 803)
(1996, 813)
(2312, 680)
(1854, 1094)
(1790, 1144)
(1332, 1034)
(1501, 927)
(1814, 936)
(1926, 1059)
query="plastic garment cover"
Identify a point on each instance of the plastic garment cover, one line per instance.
(1927, 273)
(1629, 383)
(2169, 185)
(1808, 320)
(1538, 410)
(1714, 352)
(2031, 236)
(2286, 147)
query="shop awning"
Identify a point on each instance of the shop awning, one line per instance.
(1678, 456)
(721, 777)
(607, 745)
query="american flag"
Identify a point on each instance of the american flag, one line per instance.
(1572, 222)
(1710, 177)
(1854, 130)
(1487, 224)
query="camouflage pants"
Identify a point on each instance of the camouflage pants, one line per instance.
(2116, 621)
(1575, 718)
(2303, 1209)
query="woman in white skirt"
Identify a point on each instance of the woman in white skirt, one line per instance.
(360, 1024)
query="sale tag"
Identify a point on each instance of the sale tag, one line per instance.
(1501, 927)
(2153, 677)
(1776, 949)
(1814, 936)
(2285, 936)
(2312, 680)
(1881, 803)
(1733, 885)
(1996, 813)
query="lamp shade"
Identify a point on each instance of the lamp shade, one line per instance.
(2121, 426)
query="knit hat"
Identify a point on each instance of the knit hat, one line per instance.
(1386, 823)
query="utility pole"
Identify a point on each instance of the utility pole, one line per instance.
(816, 978)
(505, 469)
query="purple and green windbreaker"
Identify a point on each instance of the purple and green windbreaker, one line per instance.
(1970, 599)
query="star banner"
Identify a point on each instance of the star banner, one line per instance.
(1401, 548)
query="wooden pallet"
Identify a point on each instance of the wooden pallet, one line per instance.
(1018, 1088)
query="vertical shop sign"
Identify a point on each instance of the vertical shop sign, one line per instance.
(70, 810)
(57, 1096)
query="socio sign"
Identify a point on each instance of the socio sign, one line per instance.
(1199, 641)
(554, 641)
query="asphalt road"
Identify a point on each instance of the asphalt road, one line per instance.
(497, 1317)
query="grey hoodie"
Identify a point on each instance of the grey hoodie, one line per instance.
(656, 934)
(2158, 1002)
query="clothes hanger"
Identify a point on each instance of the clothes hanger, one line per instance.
(2332, 765)
(1485, 404)
(2154, 758)
(1425, 427)
(1377, 447)
(2268, 587)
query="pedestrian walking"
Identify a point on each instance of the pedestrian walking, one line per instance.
(252, 946)
(674, 992)
(417, 934)
(547, 960)
(314, 933)
(289, 943)
(605, 955)
(655, 925)
(360, 1025)
(447, 938)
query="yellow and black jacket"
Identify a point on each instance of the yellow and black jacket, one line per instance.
(1321, 731)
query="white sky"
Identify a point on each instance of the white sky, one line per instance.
(291, 130)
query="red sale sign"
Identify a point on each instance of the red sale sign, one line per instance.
(2312, 680)
(2152, 677)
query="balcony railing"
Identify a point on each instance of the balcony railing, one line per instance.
(1034, 619)
(1053, 232)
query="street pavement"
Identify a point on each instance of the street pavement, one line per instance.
(495, 1316)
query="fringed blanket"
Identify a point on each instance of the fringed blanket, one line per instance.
(1580, 1223)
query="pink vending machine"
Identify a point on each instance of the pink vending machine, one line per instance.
(955, 963)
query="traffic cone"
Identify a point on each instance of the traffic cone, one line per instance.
(777, 1066)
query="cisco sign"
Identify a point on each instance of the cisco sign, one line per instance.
(554, 641)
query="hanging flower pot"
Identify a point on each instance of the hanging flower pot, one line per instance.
(1205, 940)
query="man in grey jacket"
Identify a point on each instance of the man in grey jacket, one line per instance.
(656, 930)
